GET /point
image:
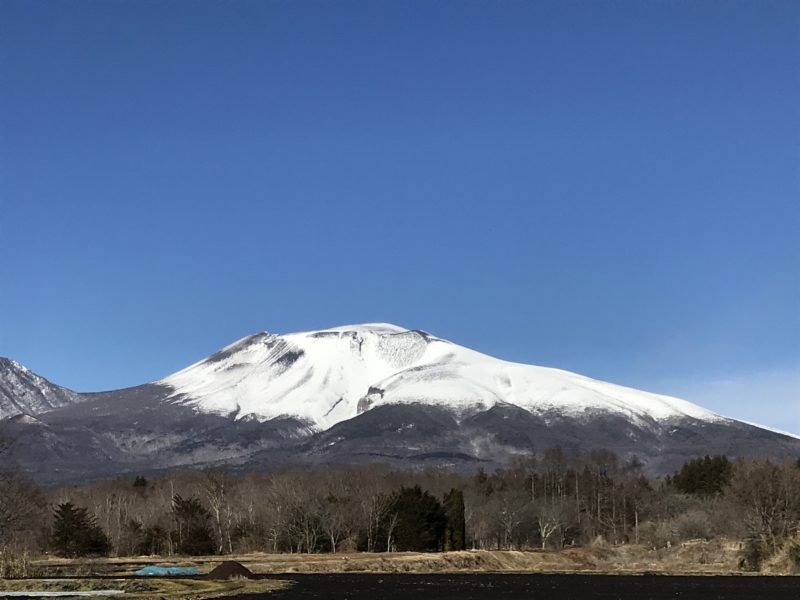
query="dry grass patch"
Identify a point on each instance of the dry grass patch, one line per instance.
(415, 562)
(692, 557)
(695, 557)
(787, 560)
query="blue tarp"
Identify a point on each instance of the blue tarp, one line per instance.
(153, 570)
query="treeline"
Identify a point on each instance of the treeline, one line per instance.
(552, 502)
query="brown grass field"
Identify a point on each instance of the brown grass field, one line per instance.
(457, 575)
(695, 557)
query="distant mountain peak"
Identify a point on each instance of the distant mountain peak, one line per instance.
(10, 363)
(24, 392)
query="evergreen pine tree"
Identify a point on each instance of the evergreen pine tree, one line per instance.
(420, 520)
(705, 476)
(455, 530)
(76, 533)
(193, 535)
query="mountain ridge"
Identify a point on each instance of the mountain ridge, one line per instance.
(356, 394)
(24, 392)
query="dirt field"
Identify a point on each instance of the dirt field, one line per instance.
(597, 572)
(508, 586)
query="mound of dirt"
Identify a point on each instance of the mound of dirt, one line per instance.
(229, 570)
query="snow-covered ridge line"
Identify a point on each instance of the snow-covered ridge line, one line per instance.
(330, 375)
(772, 429)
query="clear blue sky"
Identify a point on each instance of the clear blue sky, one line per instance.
(607, 187)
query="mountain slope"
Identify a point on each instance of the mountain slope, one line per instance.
(353, 394)
(24, 392)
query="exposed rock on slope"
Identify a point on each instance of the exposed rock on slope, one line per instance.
(24, 392)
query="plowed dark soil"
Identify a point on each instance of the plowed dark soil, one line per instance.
(488, 586)
(229, 570)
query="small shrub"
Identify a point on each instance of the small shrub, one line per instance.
(753, 554)
(15, 564)
(786, 561)
(794, 553)
(138, 587)
(661, 534)
(70, 586)
(692, 525)
(598, 542)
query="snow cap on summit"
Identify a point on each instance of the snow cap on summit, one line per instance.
(327, 376)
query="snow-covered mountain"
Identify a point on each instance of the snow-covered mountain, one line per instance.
(24, 392)
(355, 394)
(325, 377)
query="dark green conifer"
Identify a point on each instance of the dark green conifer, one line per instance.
(420, 520)
(705, 476)
(455, 531)
(193, 533)
(76, 533)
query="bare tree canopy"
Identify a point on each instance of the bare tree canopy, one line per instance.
(554, 502)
